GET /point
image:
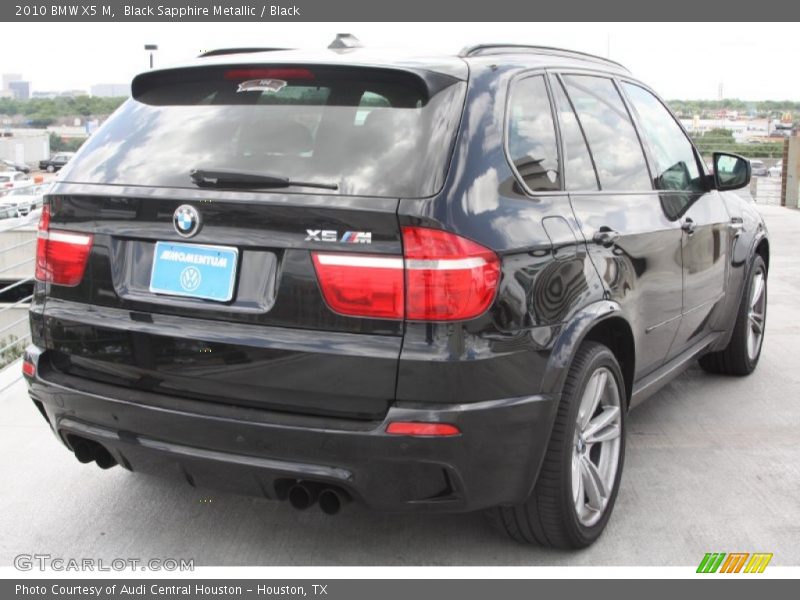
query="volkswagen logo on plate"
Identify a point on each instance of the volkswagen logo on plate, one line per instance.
(186, 220)
(190, 279)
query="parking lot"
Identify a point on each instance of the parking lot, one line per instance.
(713, 464)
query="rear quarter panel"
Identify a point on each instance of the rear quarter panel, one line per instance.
(547, 276)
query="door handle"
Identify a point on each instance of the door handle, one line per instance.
(605, 237)
(688, 226)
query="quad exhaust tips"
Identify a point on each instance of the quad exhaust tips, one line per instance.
(87, 451)
(305, 494)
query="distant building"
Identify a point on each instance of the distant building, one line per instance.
(13, 83)
(111, 90)
(44, 94)
(20, 89)
(9, 77)
(25, 145)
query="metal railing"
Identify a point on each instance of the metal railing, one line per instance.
(766, 190)
(11, 345)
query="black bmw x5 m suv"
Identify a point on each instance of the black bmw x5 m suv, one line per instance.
(416, 282)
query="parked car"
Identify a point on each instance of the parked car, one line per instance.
(7, 212)
(776, 170)
(24, 200)
(14, 166)
(758, 168)
(448, 305)
(13, 179)
(55, 162)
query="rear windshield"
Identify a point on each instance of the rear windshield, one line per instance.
(370, 132)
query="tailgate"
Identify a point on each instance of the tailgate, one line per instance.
(274, 344)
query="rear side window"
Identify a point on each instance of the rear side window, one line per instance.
(612, 139)
(674, 156)
(579, 173)
(369, 131)
(532, 136)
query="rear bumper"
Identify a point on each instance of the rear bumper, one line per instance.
(494, 461)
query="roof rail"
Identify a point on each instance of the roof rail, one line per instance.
(223, 51)
(487, 49)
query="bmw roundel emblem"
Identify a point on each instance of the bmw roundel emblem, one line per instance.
(186, 220)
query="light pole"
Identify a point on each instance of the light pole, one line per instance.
(151, 48)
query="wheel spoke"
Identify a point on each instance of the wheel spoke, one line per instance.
(577, 483)
(591, 397)
(604, 426)
(593, 484)
(756, 322)
(758, 290)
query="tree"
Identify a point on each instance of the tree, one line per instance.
(59, 144)
(720, 134)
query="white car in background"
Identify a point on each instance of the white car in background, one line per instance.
(20, 202)
(13, 179)
(776, 170)
(758, 168)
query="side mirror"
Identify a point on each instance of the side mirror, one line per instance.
(731, 171)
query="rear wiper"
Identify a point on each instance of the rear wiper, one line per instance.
(225, 178)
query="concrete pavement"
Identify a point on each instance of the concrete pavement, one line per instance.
(713, 464)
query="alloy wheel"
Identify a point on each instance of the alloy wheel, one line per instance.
(756, 314)
(596, 448)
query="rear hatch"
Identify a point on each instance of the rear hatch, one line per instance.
(203, 201)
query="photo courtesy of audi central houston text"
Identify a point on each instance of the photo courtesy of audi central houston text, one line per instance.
(412, 282)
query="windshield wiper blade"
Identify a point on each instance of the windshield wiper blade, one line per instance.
(226, 178)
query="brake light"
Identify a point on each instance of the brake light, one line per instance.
(448, 277)
(360, 285)
(61, 256)
(441, 277)
(237, 74)
(422, 429)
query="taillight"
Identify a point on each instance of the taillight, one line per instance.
(359, 285)
(448, 277)
(441, 277)
(61, 256)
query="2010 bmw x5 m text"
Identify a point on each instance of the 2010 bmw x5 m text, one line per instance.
(419, 283)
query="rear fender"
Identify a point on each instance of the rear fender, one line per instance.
(569, 340)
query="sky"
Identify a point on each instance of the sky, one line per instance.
(679, 60)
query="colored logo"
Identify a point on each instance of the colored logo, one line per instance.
(190, 279)
(331, 235)
(734, 562)
(186, 220)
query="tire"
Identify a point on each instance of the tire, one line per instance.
(51, 169)
(550, 516)
(740, 356)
